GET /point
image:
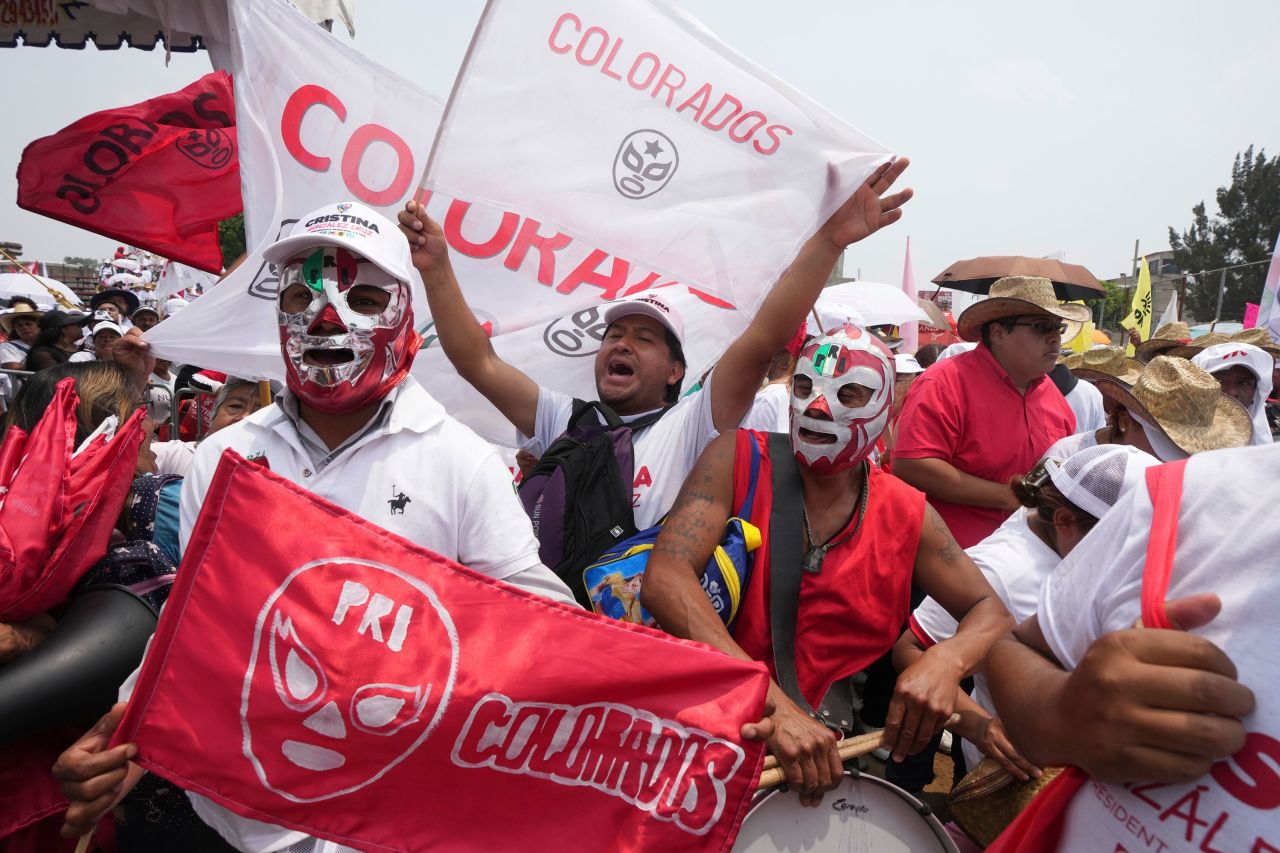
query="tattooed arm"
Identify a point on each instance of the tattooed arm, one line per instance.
(925, 695)
(804, 747)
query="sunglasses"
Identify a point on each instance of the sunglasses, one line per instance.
(1043, 328)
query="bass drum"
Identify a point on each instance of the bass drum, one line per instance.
(863, 815)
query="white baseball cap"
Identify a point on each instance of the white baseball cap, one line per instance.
(905, 362)
(107, 326)
(1095, 478)
(651, 305)
(174, 305)
(353, 226)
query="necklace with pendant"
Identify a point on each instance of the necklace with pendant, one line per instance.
(815, 554)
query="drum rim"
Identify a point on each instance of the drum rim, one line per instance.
(920, 807)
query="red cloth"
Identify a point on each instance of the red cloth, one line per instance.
(852, 611)
(58, 510)
(426, 699)
(966, 411)
(1038, 829)
(160, 174)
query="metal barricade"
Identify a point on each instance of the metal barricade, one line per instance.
(195, 396)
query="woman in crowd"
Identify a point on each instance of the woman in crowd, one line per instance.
(59, 339)
(1244, 373)
(1062, 501)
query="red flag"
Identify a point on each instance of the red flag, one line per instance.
(57, 510)
(159, 175)
(315, 671)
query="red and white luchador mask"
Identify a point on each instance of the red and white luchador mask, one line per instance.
(352, 667)
(841, 397)
(347, 370)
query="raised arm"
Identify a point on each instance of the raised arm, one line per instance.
(925, 695)
(805, 749)
(464, 341)
(738, 374)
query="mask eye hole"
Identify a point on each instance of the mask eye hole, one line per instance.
(368, 300)
(853, 395)
(299, 678)
(383, 709)
(801, 386)
(295, 297)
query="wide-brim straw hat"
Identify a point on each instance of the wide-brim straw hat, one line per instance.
(1108, 363)
(1168, 336)
(1190, 349)
(1259, 338)
(1186, 403)
(1017, 296)
(18, 311)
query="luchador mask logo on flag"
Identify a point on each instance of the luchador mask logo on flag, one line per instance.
(208, 147)
(352, 667)
(646, 161)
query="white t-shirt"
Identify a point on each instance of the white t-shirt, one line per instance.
(174, 457)
(11, 351)
(1015, 562)
(1227, 543)
(1068, 446)
(1086, 401)
(160, 396)
(461, 506)
(665, 452)
(771, 410)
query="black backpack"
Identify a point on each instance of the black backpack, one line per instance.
(578, 495)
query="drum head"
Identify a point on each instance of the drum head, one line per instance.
(865, 814)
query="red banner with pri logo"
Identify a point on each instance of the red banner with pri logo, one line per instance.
(159, 175)
(317, 672)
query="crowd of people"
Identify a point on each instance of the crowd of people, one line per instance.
(1062, 561)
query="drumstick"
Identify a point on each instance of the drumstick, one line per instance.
(848, 748)
(83, 845)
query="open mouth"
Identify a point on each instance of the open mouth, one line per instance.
(619, 369)
(808, 436)
(328, 357)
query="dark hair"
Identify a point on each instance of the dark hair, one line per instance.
(104, 388)
(677, 354)
(929, 353)
(1036, 491)
(1007, 323)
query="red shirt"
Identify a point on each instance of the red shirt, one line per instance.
(852, 611)
(966, 411)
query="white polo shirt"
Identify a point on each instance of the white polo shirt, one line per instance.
(420, 474)
(665, 452)
(1086, 402)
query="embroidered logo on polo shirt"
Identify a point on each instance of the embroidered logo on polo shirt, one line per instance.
(259, 457)
(398, 501)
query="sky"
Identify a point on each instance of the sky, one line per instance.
(1033, 129)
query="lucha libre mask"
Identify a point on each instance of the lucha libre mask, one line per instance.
(353, 663)
(848, 355)
(345, 371)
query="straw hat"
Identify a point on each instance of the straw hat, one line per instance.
(1186, 403)
(1169, 335)
(1016, 295)
(1191, 348)
(22, 309)
(1259, 338)
(1106, 363)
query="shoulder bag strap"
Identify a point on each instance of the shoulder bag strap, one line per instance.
(786, 541)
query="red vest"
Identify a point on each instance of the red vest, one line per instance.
(853, 611)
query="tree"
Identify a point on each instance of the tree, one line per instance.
(1243, 231)
(1111, 309)
(73, 261)
(231, 238)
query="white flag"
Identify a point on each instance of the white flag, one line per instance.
(1170, 314)
(176, 277)
(1269, 304)
(535, 183)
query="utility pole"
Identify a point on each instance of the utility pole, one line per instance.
(1222, 286)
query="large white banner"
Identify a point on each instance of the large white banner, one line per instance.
(549, 180)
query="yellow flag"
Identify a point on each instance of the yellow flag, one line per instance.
(1084, 340)
(1140, 315)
